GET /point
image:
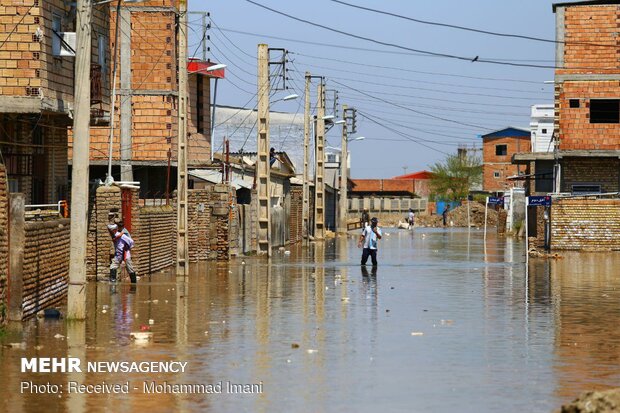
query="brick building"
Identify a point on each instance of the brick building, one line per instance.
(497, 150)
(36, 91)
(146, 117)
(421, 181)
(587, 103)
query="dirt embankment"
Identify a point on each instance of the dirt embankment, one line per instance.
(458, 217)
(594, 402)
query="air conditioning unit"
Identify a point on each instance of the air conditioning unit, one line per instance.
(63, 44)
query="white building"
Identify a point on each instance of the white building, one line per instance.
(541, 127)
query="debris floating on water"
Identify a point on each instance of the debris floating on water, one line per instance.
(417, 333)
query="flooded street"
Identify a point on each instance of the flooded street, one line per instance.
(445, 324)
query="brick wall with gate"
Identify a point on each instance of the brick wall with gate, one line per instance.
(585, 224)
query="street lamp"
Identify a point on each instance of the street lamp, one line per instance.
(218, 66)
(109, 180)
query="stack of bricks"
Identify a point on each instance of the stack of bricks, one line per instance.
(296, 214)
(585, 224)
(46, 265)
(4, 241)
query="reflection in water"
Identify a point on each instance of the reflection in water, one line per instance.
(324, 334)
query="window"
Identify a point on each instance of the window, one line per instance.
(573, 103)
(497, 174)
(544, 131)
(56, 29)
(604, 111)
(586, 188)
(331, 158)
(102, 51)
(501, 150)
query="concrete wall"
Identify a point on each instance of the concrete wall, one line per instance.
(585, 224)
(46, 265)
(4, 242)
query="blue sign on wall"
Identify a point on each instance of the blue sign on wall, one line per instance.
(539, 200)
(493, 200)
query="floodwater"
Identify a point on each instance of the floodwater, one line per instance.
(486, 337)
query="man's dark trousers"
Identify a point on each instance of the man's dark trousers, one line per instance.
(367, 252)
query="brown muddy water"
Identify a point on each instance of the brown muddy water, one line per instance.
(445, 324)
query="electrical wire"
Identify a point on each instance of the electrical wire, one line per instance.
(470, 29)
(398, 46)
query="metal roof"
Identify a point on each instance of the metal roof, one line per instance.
(510, 131)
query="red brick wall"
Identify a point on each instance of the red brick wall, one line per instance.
(588, 24)
(574, 127)
(502, 164)
(27, 66)
(591, 24)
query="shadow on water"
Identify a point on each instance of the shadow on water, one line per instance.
(445, 321)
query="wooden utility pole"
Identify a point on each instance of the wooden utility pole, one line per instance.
(343, 204)
(263, 166)
(182, 230)
(76, 303)
(319, 178)
(306, 177)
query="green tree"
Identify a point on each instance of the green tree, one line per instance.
(455, 176)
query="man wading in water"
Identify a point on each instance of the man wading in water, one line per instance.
(368, 240)
(122, 246)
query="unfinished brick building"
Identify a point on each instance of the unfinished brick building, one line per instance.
(146, 119)
(36, 92)
(587, 103)
(497, 150)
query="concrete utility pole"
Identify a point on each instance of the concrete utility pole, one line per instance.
(182, 230)
(343, 204)
(125, 95)
(306, 177)
(319, 178)
(263, 166)
(76, 304)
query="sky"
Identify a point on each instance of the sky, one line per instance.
(413, 109)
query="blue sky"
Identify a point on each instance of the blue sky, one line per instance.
(417, 105)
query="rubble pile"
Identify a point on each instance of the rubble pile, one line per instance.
(458, 217)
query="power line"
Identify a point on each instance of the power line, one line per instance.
(469, 29)
(409, 109)
(400, 69)
(374, 75)
(398, 46)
